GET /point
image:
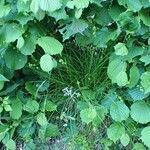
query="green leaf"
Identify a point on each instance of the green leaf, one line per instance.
(125, 139)
(76, 26)
(114, 68)
(115, 131)
(8, 108)
(20, 42)
(119, 111)
(137, 94)
(46, 63)
(30, 145)
(50, 5)
(144, 16)
(145, 81)
(102, 16)
(100, 115)
(129, 22)
(52, 131)
(59, 14)
(31, 106)
(135, 5)
(139, 146)
(29, 45)
(121, 78)
(121, 49)
(134, 52)
(5, 9)
(16, 108)
(115, 10)
(103, 36)
(87, 115)
(145, 59)
(134, 76)
(1, 85)
(50, 106)
(2, 78)
(12, 32)
(140, 112)
(41, 119)
(34, 6)
(145, 136)
(50, 45)
(81, 4)
(11, 145)
(16, 62)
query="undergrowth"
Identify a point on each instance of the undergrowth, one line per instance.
(74, 74)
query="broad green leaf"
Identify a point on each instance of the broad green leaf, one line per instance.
(81, 4)
(11, 145)
(119, 111)
(50, 106)
(121, 78)
(34, 6)
(12, 32)
(31, 87)
(78, 13)
(16, 62)
(41, 119)
(145, 81)
(129, 22)
(46, 63)
(87, 115)
(145, 59)
(121, 49)
(76, 26)
(137, 94)
(88, 94)
(5, 9)
(134, 5)
(134, 52)
(100, 115)
(115, 131)
(50, 5)
(23, 6)
(9, 108)
(114, 68)
(16, 108)
(29, 45)
(109, 99)
(1, 85)
(140, 112)
(125, 139)
(2, 78)
(30, 145)
(145, 136)
(144, 16)
(139, 146)
(51, 130)
(20, 42)
(50, 45)
(82, 105)
(31, 106)
(70, 4)
(134, 76)
(103, 36)
(102, 16)
(115, 10)
(23, 19)
(59, 14)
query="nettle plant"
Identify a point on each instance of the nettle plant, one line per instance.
(32, 35)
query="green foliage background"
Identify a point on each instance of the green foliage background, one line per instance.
(75, 71)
